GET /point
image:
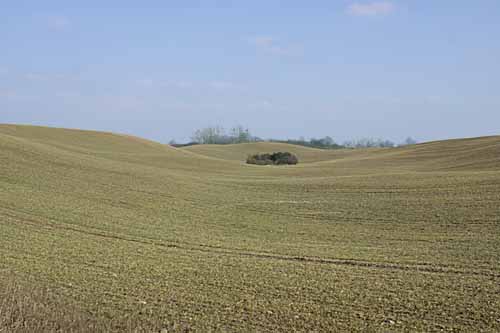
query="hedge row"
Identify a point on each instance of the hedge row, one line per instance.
(279, 158)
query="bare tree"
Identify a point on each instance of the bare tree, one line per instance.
(208, 135)
(409, 141)
(217, 135)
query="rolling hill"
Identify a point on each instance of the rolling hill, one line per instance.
(459, 154)
(114, 233)
(239, 152)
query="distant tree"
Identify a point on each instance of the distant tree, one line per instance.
(208, 135)
(409, 141)
(368, 143)
(217, 135)
(323, 143)
(240, 134)
(386, 144)
(327, 141)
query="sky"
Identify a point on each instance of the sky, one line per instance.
(285, 69)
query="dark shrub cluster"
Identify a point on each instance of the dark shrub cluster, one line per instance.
(279, 158)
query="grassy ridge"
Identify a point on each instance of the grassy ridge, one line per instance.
(239, 152)
(460, 154)
(129, 229)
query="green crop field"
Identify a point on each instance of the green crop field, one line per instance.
(106, 232)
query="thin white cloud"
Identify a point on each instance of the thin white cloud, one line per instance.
(263, 41)
(16, 96)
(262, 104)
(32, 76)
(152, 83)
(58, 22)
(272, 45)
(376, 8)
(7, 93)
(179, 84)
(221, 85)
(145, 82)
(214, 84)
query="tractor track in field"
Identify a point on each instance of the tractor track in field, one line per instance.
(209, 249)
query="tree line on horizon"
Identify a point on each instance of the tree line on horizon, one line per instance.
(240, 134)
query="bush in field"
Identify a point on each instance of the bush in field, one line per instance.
(279, 158)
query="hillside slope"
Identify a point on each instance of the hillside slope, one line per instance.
(153, 236)
(460, 154)
(239, 152)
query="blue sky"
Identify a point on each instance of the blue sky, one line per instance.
(161, 69)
